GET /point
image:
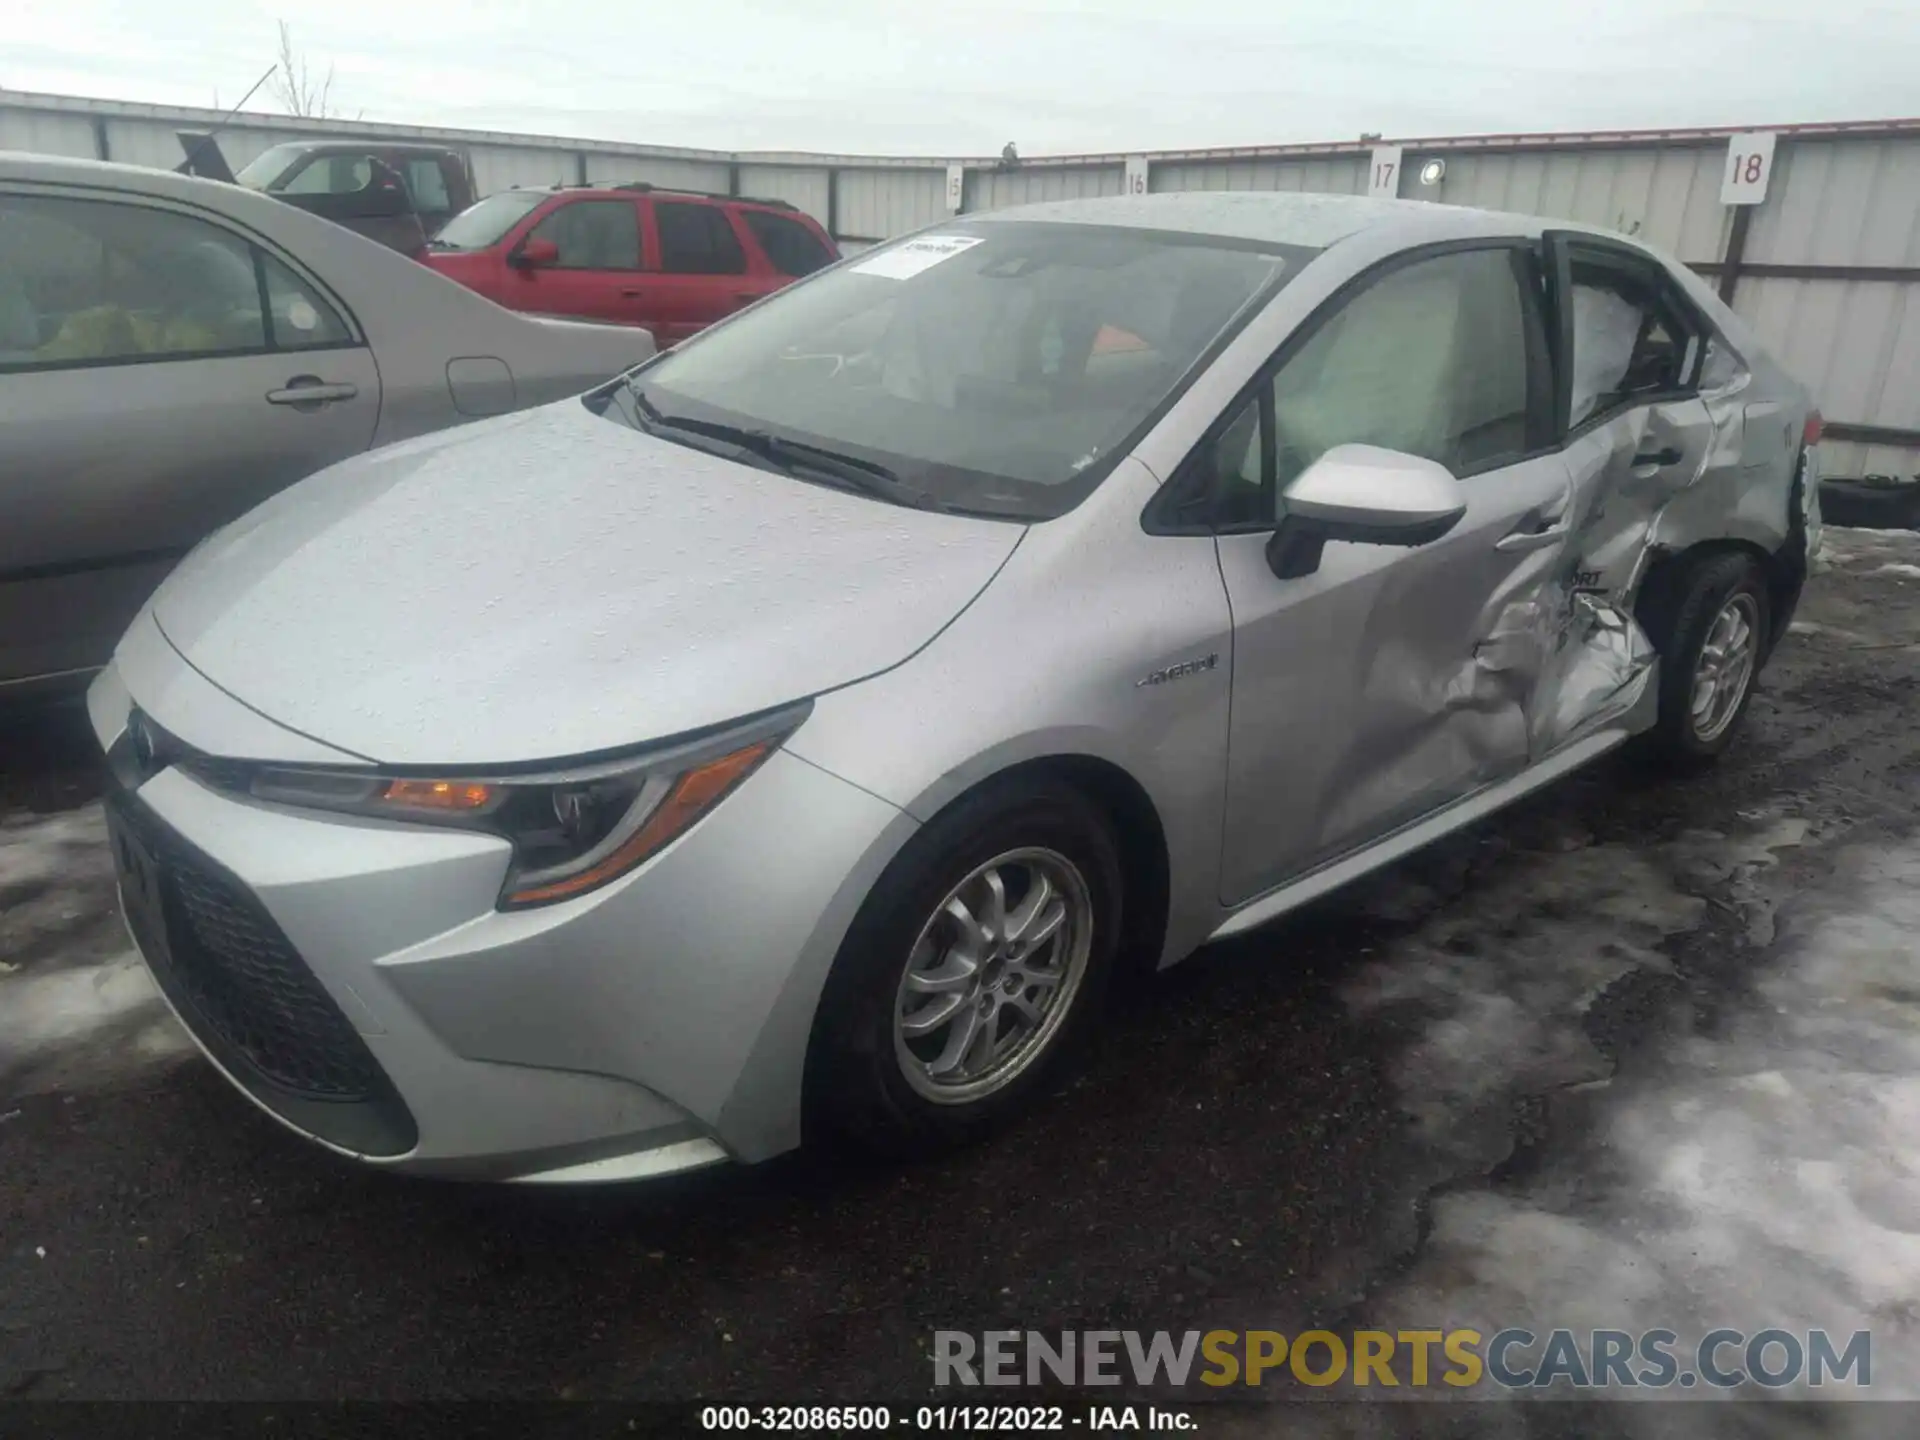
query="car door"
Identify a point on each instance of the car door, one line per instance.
(146, 398)
(1389, 681)
(1639, 430)
(598, 274)
(702, 271)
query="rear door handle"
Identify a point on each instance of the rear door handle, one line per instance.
(633, 294)
(1659, 458)
(311, 390)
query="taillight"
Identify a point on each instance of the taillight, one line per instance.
(1815, 425)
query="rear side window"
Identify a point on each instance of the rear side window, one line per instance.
(88, 282)
(427, 184)
(328, 175)
(1630, 338)
(791, 246)
(697, 240)
(594, 234)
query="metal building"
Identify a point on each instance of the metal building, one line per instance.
(1826, 265)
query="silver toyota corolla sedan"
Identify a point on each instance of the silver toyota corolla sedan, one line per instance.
(173, 351)
(802, 731)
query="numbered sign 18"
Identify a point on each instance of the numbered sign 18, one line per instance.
(1136, 175)
(956, 186)
(1749, 167)
(1383, 178)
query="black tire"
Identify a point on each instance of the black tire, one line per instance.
(1678, 620)
(857, 1088)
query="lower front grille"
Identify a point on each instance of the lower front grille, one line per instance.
(243, 989)
(252, 987)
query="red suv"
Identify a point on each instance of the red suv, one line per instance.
(672, 261)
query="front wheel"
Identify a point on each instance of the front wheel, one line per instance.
(1712, 634)
(971, 973)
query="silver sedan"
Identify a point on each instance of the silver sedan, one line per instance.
(803, 730)
(173, 351)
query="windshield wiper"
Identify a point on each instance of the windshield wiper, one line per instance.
(869, 477)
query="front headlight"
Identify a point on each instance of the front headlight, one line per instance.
(573, 829)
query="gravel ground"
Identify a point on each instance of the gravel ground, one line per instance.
(1634, 1054)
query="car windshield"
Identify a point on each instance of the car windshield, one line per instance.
(995, 367)
(485, 221)
(269, 166)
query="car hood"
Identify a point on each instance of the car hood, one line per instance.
(553, 584)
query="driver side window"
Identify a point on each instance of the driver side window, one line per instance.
(1431, 359)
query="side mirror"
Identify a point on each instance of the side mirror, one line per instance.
(1365, 495)
(535, 254)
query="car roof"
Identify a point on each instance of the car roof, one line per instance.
(1281, 217)
(144, 179)
(665, 192)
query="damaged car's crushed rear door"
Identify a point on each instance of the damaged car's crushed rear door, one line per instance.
(1628, 353)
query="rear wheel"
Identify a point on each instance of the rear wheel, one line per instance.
(971, 973)
(1712, 628)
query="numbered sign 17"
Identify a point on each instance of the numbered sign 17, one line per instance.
(1749, 167)
(1383, 176)
(1136, 175)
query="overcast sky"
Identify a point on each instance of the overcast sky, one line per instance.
(962, 78)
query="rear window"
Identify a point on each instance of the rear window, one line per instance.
(484, 222)
(791, 246)
(269, 165)
(697, 240)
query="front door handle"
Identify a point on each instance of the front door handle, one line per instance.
(633, 294)
(311, 390)
(1536, 532)
(1659, 458)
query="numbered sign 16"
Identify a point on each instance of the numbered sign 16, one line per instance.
(1383, 178)
(1136, 175)
(956, 186)
(1749, 167)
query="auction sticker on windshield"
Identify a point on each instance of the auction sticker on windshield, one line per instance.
(903, 262)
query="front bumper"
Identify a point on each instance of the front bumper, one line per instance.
(354, 979)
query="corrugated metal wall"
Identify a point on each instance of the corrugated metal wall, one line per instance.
(876, 204)
(507, 167)
(1845, 203)
(674, 174)
(1330, 175)
(1669, 196)
(40, 133)
(804, 188)
(1837, 199)
(996, 190)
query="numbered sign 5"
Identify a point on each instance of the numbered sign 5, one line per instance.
(1383, 179)
(956, 187)
(1749, 167)
(1136, 175)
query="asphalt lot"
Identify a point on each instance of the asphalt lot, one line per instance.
(1639, 1053)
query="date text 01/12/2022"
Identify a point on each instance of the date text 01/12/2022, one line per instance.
(949, 1419)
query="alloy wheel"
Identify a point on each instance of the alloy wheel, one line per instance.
(1724, 670)
(992, 976)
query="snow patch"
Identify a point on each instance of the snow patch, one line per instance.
(77, 1006)
(1766, 1174)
